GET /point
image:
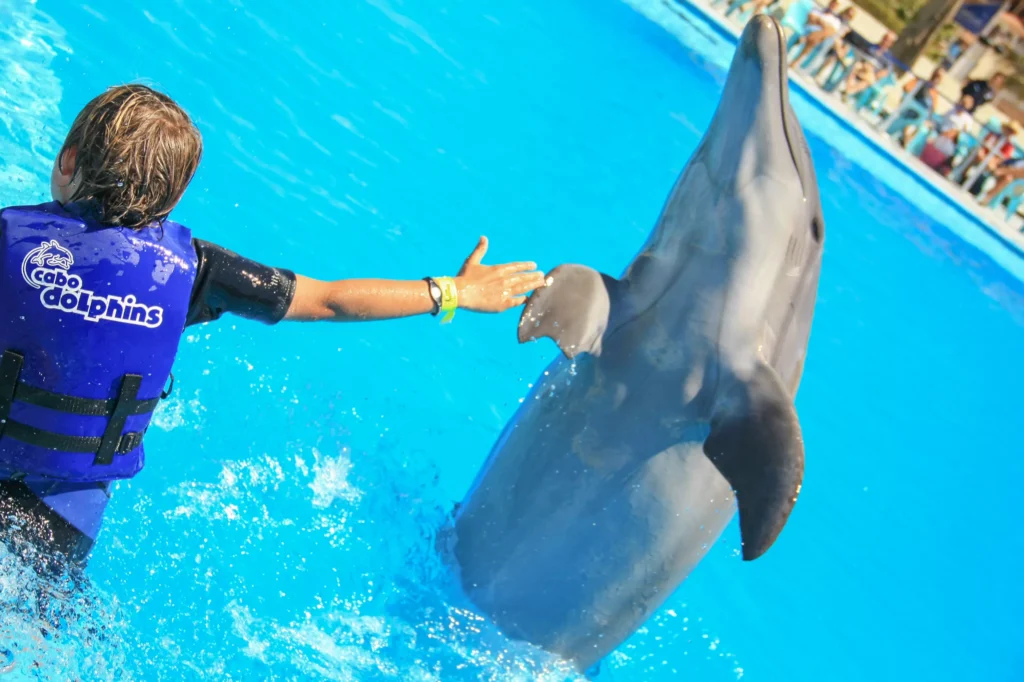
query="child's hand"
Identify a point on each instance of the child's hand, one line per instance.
(494, 288)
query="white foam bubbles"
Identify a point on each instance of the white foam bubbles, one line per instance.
(330, 480)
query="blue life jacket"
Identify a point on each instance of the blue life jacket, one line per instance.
(90, 320)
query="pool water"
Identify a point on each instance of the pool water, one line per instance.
(283, 526)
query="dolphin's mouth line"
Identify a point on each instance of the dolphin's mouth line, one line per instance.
(784, 96)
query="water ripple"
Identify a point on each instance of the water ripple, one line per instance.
(30, 40)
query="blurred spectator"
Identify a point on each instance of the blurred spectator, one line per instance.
(880, 51)
(861, 77)
(829, 25)
(758, 6)
(993, 160)
(1007, 130)
(938, 153)
(876, 65)
(953, 52)
(926, 94)
(984, 92)
(827, 18)
(959, 117)
(841, 50)
(1005, 173)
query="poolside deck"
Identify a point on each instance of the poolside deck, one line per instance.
(956, 196)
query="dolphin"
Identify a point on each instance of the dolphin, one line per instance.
(671, 404)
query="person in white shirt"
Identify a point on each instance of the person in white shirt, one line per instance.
(960, 116)
(829, 18)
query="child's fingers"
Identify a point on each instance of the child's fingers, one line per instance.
(522, 284)
(513, 268)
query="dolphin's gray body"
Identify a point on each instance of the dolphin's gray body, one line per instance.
(676, 393)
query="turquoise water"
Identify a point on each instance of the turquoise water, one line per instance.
(282, 528)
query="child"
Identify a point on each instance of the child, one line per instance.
(97, 287)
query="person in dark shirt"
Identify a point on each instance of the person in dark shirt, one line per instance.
(983, 92)
(103, 281)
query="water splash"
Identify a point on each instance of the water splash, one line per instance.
(49, 630)
(330, 482)
(353, 587)
(177, 411)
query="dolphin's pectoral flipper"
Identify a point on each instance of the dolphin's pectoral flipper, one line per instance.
(755, 442)
(572, 310)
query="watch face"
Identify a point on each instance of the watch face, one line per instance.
(435, 294)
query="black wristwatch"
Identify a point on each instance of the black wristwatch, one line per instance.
(435, 294)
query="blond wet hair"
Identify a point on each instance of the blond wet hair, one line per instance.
(136, 152)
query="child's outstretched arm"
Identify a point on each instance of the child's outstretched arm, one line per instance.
(478, 287)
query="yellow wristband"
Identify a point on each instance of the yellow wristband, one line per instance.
(449, 298)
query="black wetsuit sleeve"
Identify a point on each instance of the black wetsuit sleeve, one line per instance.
(228, 283)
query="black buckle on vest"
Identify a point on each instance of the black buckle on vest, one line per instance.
(126, 400)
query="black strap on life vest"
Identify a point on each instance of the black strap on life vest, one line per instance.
(117, 410)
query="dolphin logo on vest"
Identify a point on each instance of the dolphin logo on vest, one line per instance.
(47, 267)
